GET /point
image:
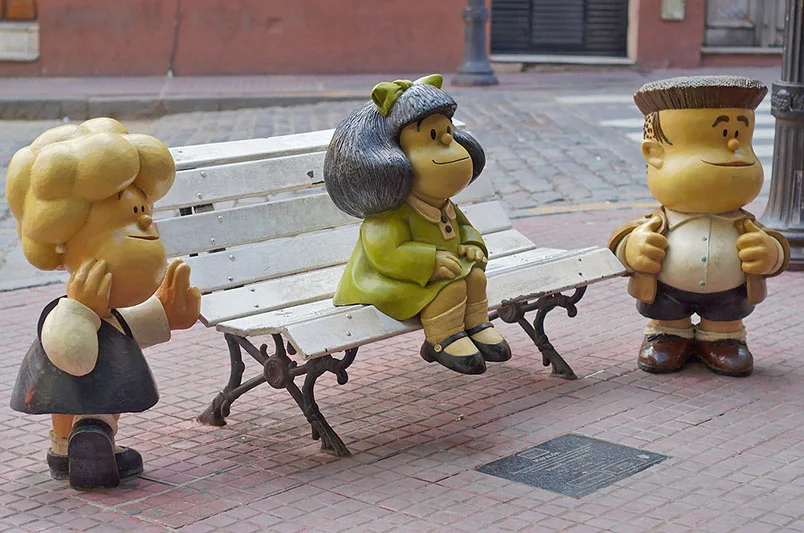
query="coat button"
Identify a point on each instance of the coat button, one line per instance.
(444, 219)
(448, 229)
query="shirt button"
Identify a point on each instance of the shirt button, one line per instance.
(704, 238)
(444, 219)
(448, 229)
(703, 258)
(703, 283)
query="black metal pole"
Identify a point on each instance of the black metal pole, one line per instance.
(475, 69)
(785, 210)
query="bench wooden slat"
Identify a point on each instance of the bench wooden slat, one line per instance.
(243, 180)
(275, 321)
(338, 332)
(265, 177)
(240, 225)
(281, 257)
(278, 257)
(298, 289)
(253, 223)
(203, 155)
(270, 295)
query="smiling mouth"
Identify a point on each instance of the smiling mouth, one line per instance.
(730, 164)
(450, 162)
(144, 237)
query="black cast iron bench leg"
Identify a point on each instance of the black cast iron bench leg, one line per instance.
(280, 371)
(514, 312)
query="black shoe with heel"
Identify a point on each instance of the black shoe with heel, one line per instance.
(129, 463)
(91, 457)
(464, 364)
(494, 353)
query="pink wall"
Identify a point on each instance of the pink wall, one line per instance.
(134, 37)
(674, 44)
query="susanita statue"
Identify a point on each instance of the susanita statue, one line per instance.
(395, 162)
(83, 197)
(700, 253)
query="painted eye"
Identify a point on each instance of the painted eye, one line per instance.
(449, 130)
(736, 133)
(725, 133)
(135, 209)
(142, 208)
(432, 134)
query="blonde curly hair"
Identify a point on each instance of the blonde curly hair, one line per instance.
(51, 184)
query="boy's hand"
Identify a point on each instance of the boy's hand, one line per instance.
(182, 303)
(757, 250)
(645, 248)
(447, 266)
(473, 253)
(91, 285)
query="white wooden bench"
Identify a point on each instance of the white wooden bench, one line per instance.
(267, 248)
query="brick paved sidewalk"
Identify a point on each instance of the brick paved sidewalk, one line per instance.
(418, 431)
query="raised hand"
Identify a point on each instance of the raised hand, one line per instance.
(91, 285)
(473, 253)
(645, 248)
(757, 250)
(447, 266)
(182, 303)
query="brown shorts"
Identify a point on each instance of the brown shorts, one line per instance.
(675, 304)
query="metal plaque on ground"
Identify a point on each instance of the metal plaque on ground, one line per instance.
(572, 465)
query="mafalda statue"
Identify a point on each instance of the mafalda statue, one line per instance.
(83, 198)
(700, 252)
(395, 162)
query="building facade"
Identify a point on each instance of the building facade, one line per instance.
(207, 37)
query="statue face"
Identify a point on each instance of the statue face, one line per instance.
(707, 163)
(441, 166)
(120, 230)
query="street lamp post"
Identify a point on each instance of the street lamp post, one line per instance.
(785, 210)
(475, 69)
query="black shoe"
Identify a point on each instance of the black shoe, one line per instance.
(129, 463)
(464, 364)
(494, 353)
(91, 457)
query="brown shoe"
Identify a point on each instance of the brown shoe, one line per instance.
(664, 353)
(729, 357)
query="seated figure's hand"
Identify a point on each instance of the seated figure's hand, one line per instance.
(91, 285)
(645, 248)
(447, 266)
(473, 253)
(757, 250)
(182, 303)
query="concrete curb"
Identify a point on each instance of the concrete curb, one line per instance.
(136, 107)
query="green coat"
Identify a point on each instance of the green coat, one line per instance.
(393, 260)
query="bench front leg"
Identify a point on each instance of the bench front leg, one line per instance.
(216, 413)
(515, 311)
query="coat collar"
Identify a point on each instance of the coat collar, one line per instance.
(676, 218)
(428, 212)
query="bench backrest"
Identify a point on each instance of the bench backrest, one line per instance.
(257, 210)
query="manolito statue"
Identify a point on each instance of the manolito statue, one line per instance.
(396, 162)
(700, 253)
(83, 197)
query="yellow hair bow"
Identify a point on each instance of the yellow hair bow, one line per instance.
(386, 93)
